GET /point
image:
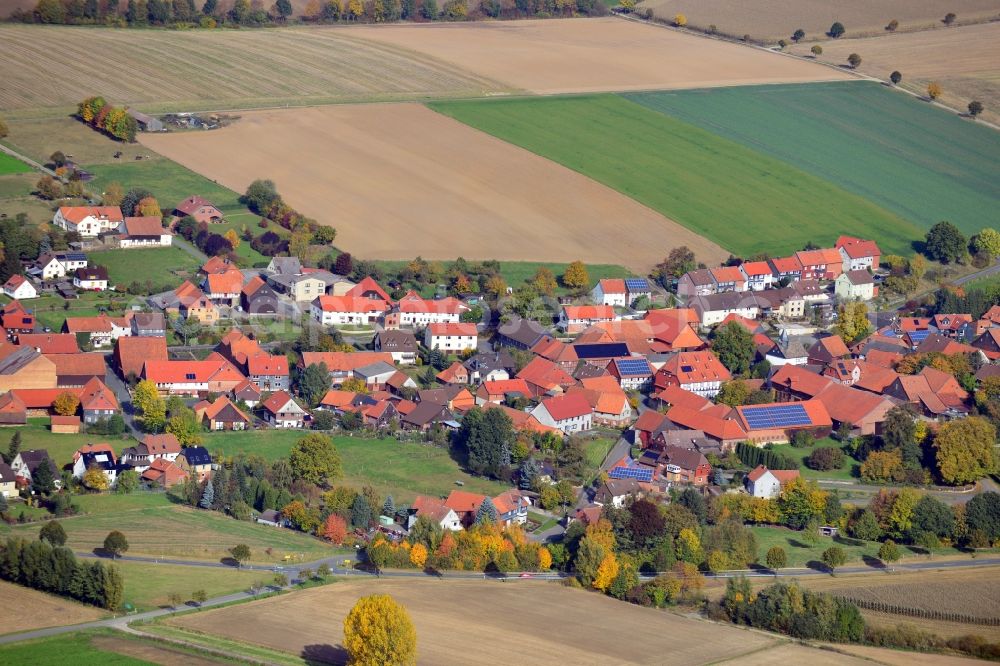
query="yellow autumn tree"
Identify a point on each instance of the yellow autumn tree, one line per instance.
(544, 281)
(606, 572)
(680, 20)
(934, 90)
(354, 9)
(544, 559)
(95, 479)
(66, 404)
(148, 207)
(232, 237)
(418, 555)
(496, 286)
(113, 195)
(602, 533)
(378, 631)
(576, 276)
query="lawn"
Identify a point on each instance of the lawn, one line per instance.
(36, 435)
(169, 182)
(155, 264)
(923, 163)
(400, 469)
(102, 647)
(52, 310)
(597, 450)
(9, 164)
(157, 527)
(850, 470)
(148, 586)
(738, 197)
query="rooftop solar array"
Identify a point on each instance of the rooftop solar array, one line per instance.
(766, 417)
(634, 366)
(638, 473)
(601, 349)
(636, 284)
(920, 336)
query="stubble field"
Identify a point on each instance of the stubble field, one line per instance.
(398, 180)
(24, 609)
(55, 66)
(963, 60)
(778, 19)
(592, 55)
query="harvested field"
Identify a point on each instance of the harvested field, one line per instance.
(778, 19)
(963, 60)
(51, 66)
(536, 623)
(731, 193)
(25, 609)
(156, 653)
(592, 55)
(905, 658)
(398, 180)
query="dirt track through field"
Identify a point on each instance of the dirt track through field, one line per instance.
(398, 180)
(591, 55)
(965, 61)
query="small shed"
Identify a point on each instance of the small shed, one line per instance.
(146, 122)
(65, 425)
(271, 517)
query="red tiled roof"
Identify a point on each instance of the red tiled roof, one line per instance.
(144, 226)
(216, 265)
(329, 303)
(369, 285)
(756, 268)
(545, 374)
(77, 214)
(78, 365)
(221, 403)
(97, 396)
(722, 429)
(177, 372)
(43, 398)
(589, 311)
(50, 343)
(192, 203)
(413, 303)
(461, 329)
(857, 248)
(676, 396)
(276, 401)
(786, 264)
(268, 364)
(229, 282)
(344, 361)
(103, 447)
(132, 352)
(567, 406)
(612, 286)
(728, 274)
(695, 367)
(15, 281)
(100, 324)
(461, 501)
(815, 410)
(335, 398)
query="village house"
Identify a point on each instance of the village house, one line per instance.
(401, 344)
(610, 291)
(91, 278)
(149, 324)
(855, 286)
(25, 463)
(269, 372)
(728, 278)
(15, 319)
(300, 287)
(26, 368)
(58, 265)
(608, 401)
(713, 309)
(425, 416)
(13, 410)
(434, 509)
(101, 331)
(616, 491)
(201, 309)
(416, 312)
(823, 264)
(451, 337)
(774, 423)
(75, 370)
(223, 415)
(215, 374)
(699, 282)
(766, 483)
(575, 318)
(196, 461)
(88, 221)
(164, 474)
(341, 365)
(700, 372)
(497, 392)
(152, 448)
(787, 269)
(570, 413)
(259, 298)
(49, 343)
(758, 275)
(247, 393)
(282, 411)
(18, 287)
(633, 374)
(857, 254)
(104, 461)
(143, 232)
(224, 288)
(490, 366)
(8, 481)
(97, 402)
(200, 209)
(340, 310)
(520, 333)
(375, 375)
(545, 377)
(456, 373)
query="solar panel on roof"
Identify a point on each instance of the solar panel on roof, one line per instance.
(638, 366)
(767, 417)
(687, 368)
(637, 473)
(919, 336)
(636, 284)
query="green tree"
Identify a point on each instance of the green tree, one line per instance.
(127, 483)
(13, 448)
(836, 30)
(798, 35)
(854, 60)
(43, 479)
(965, 450)
(361, 512)
(378, 631)
(734, 393)
(389, 507)
(199, 596)
(240, 553)
(488, 437)
(53, 532)
(314, 383)
(589, 556)
(945, 243)
(314, 459)
(895, 77)
(681, 260)
(776, 558)
(207, 500)
(986, 242)
(817, 50)
(888, 552)
(487, 512)
(834, 557)
(733, 344)
(115, 543)
(975, 108)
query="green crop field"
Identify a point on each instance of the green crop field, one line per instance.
(10, 164)
(148, 585)
(803, 554)
(103, 647)
(141, 264)
(923, 163)
(743, 199)
(155, 526)
(400, 469)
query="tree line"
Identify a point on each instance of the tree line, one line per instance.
(114, 121)
(54, 568)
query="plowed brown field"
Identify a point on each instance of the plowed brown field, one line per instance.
(24, 609)
(398, 180)
(592, 55)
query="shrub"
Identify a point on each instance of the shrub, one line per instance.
(825, 458)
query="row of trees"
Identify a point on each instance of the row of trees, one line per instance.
(53, 568)
(112, 120)
(790, 609)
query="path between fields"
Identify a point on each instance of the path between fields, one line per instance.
(117, 622)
